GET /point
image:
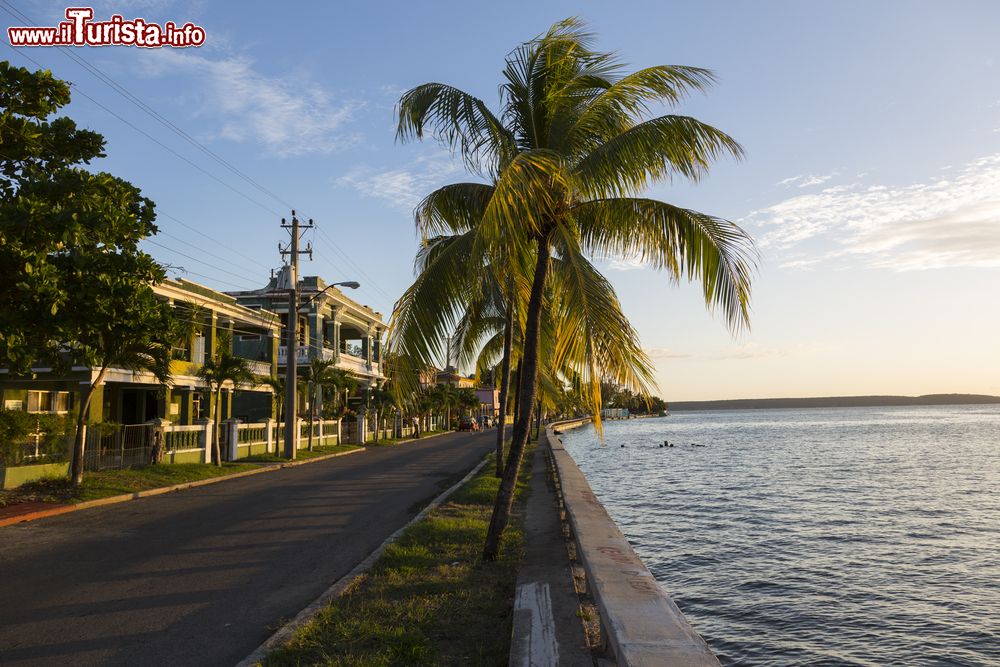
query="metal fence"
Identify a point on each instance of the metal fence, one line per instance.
(124, 447)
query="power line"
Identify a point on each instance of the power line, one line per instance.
(135, 100)
(138, 102)
(210, 254)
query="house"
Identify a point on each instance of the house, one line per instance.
(331, 326)
(133, 397)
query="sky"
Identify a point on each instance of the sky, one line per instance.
(871, 183)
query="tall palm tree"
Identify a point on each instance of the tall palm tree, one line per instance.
(318, 374)
(221, 369)
(568, 159)
(277, 385)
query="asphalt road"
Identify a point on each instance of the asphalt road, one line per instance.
(203, 576)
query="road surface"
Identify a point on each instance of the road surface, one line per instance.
(204, 575)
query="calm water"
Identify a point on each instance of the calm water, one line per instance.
(858, 536)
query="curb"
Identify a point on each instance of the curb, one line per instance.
(114, 500)
(286, 631)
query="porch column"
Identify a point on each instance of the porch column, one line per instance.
(368, 350)
(233, 426)
(315, 334)
(336, 338)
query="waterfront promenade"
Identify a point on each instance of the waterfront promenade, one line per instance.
(203, 576)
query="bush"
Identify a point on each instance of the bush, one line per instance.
(27, 438)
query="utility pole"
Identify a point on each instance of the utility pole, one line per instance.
(291, 358)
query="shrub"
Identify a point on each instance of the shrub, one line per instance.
(27, 438)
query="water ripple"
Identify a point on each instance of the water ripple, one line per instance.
(817, 537)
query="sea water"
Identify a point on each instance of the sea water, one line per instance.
(855, 536)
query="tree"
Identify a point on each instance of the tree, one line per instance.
(221, 369)
(277, 385)
(568, 158)
(317, 372)
(468, 400)
(76, 289)
(382, 401)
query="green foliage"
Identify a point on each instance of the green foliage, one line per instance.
(76, 288)
(428, 600)
(27, 438)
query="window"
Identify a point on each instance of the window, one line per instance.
(50, 401)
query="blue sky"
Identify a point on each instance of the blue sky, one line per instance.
(872, 182)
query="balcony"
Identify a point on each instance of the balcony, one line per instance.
(260, 368)
(302, 354)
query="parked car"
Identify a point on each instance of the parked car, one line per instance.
(468, 424)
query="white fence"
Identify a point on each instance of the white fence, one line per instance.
(160, 441)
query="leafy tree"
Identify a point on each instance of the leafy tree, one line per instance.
(568, 158)
(76, 290)
(221, 369)
(468, 400)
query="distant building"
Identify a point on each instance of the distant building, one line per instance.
(331, 326)
(131, 397)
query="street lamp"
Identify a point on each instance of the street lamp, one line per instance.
(291, 362)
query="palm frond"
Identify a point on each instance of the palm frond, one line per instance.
(687, 243)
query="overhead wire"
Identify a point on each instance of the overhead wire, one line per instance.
(139, 103)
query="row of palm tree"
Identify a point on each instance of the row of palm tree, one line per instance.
(506, 271)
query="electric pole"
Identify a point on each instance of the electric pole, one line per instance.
(291, 358)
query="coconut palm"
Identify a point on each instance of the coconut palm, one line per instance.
(568, 159)
(221, 369)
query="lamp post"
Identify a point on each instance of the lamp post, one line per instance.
(291, 362)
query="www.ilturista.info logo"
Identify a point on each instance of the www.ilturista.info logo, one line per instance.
(81, 30)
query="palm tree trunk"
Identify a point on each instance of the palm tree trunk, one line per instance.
(538, 420)
(508, 340)
(78, 442)
(525, 398)
(218, 424)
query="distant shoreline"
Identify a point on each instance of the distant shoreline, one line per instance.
(835, 402)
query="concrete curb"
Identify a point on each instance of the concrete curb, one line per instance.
(285, 633)
(114, 500)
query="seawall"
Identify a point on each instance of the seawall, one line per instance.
(640, 624)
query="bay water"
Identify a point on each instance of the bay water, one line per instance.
(854, 536)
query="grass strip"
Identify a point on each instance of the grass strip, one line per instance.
(410, 438)
(428, 600)
(301, 454)
(117, 482)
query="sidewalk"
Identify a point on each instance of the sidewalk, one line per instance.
(547, 626)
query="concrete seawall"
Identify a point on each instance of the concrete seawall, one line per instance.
(639, 622)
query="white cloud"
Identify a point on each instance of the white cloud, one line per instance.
(404, 187)
(289, 115)
(757, 351)
(665, 353)
(943, 222)
(805, 180)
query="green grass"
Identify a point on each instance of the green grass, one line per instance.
(429, 600)
(399, 441)
(117, 482)
(301, 454)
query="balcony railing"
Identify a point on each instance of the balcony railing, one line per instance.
(259, 367)
(302, 355)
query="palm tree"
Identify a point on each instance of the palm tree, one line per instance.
(277, 385)
(223, 368)
(568, 158)
(129, 349)
(382, 401)
(318, 372)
